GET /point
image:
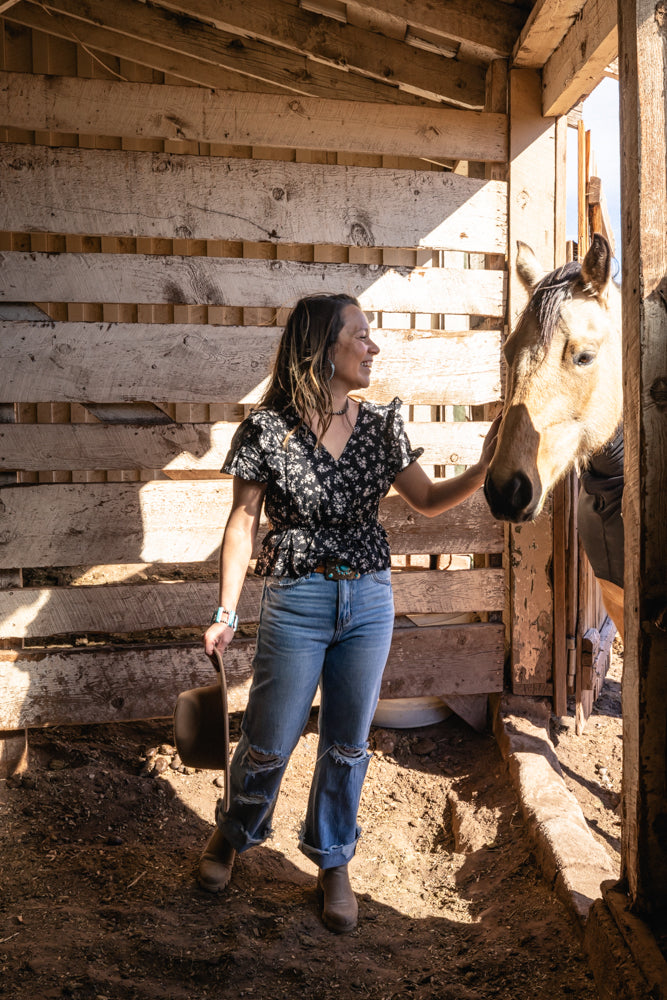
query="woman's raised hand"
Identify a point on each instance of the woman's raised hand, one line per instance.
(490, 442)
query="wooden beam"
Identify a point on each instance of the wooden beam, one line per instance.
(110, 107)
(50, 611)
(81, 277)
(123, 683)
(643, 65)
(289, 26)
(532, 171)
(199, 448)
(581, 59)
(489, 26)
(164, 195)
(547, 25)
(170, 522)
(253, 67)
(114, 362)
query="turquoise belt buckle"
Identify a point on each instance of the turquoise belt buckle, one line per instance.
(339, 571)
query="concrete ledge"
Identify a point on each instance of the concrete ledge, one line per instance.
(568, 853)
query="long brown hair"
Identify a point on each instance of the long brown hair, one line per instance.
(303, 368)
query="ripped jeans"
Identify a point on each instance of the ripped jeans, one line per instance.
(311, 631)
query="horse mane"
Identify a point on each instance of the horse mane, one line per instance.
(548, 297)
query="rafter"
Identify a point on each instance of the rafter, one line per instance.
(288, 26)
(487, 24)
(248, 67)
(546, 26)
(580, 62)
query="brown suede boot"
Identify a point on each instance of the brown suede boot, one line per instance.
(339, 904)
(216, 863)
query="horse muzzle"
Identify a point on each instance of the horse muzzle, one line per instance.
(512, 500)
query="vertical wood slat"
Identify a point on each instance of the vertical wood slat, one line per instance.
(642, 29)
(531, 219)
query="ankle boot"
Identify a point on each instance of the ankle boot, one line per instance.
(339, 904)
(216, 863)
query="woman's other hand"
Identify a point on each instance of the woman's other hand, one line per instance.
(217, 636)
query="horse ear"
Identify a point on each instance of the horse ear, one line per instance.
(527, 265)
(596, 265)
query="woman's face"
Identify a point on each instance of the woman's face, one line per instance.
(353, 352)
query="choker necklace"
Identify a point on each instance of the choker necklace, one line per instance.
(339, 413)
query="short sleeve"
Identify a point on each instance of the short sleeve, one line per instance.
(401, 451)
(247, 456)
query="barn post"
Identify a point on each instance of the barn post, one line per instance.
(642, 27)
(532, 185)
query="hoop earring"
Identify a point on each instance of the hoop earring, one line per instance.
(333, 370)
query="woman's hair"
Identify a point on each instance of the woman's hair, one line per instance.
(303, 368)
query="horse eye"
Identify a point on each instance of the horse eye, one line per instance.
(584, 358)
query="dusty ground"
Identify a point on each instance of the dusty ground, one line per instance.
(592, 762)
(99, 850)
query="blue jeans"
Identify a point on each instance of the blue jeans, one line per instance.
(311, 631)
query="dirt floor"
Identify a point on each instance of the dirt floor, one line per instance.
(100, 840)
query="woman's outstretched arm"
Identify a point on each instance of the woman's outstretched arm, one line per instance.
(431, 498)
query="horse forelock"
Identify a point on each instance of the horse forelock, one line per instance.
(548, 298)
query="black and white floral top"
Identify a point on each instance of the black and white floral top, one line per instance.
(320, 508)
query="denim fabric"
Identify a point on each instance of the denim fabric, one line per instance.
(312, 631)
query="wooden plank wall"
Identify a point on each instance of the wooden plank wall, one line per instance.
(165, 268)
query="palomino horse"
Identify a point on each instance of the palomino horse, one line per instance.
(564, 406)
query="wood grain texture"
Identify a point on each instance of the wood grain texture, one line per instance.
(643, 70)
(114, 684)
(50, 611)
(531, 220)
(112, 107)
(288, 26)
(199, 448)
(167, 196)
(170, 522)
(546, 26)
(253, 67)
(578, 64)
(201, 363)
(132, 278)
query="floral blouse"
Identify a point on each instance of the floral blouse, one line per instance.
(320, 508)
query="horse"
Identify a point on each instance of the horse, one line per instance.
(564, 407)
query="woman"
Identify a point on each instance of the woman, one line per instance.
(320, 461)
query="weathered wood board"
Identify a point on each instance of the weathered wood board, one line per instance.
(197, 448)
(47, 611)
(117, 362)
(143, 278)
(164, 195)
(114, 684)
(169, 522)
(142, 110)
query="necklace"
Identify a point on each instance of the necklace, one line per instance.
(339, 413)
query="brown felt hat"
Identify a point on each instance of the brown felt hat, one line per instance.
(201, 725)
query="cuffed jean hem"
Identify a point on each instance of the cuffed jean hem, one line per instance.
(235, 834)
(333, 857)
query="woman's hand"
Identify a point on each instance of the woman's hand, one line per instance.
(490, 442)
(217, 636)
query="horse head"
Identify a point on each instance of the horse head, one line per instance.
(564, 387)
